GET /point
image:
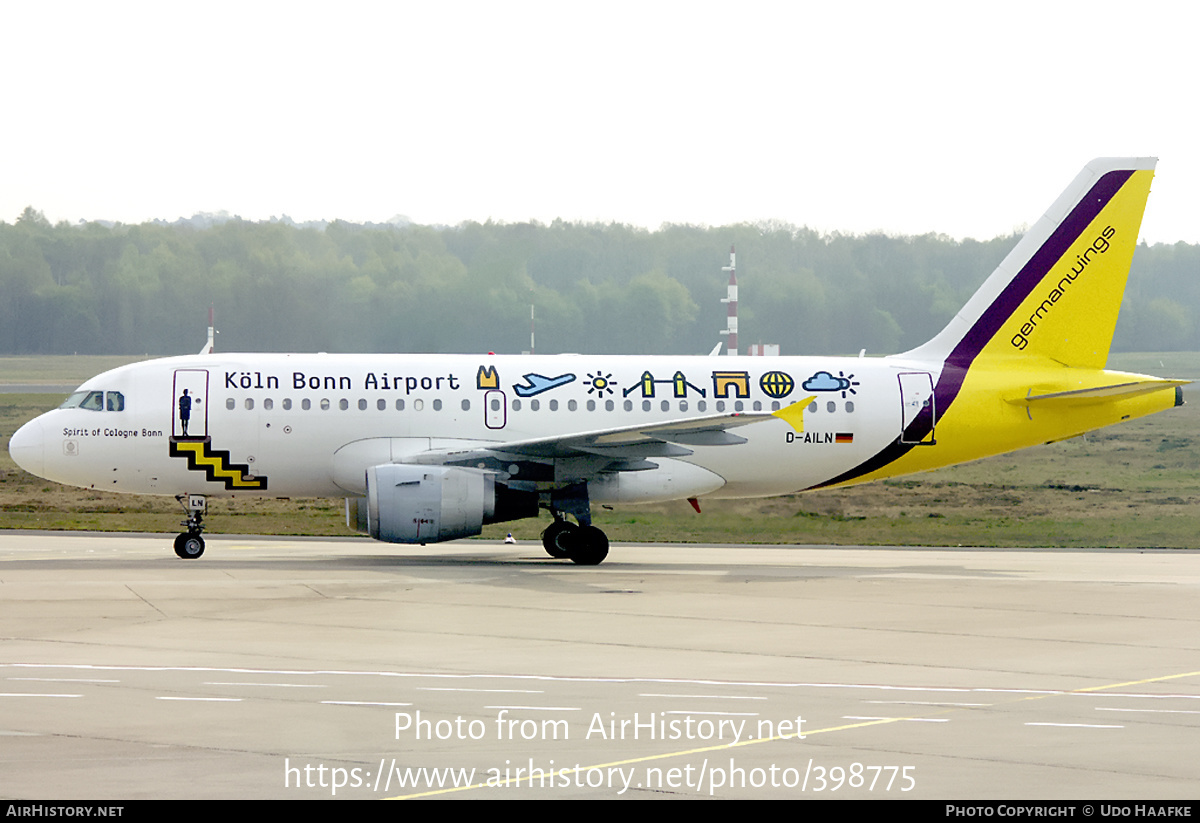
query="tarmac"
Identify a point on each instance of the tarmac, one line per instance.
(303, 668)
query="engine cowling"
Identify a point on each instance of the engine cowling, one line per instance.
(428, 504)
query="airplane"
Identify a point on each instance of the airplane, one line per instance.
(428, 448)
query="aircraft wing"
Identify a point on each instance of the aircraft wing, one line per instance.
(578, 455)
(710, 430)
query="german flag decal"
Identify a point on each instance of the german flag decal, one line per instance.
(844, 437)
(215, 463)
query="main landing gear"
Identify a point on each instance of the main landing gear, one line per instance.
(584, 545)
(189, 544)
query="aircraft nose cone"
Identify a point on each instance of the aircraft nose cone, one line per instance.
(28, 448)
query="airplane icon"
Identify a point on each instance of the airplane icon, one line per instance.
(422, 453)
(536, 384)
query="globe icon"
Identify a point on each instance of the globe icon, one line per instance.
(777, 384)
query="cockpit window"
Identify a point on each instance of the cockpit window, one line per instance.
(94, 401)
(74, 401)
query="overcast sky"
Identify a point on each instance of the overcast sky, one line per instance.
(961, 118)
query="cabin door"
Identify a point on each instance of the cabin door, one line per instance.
(189, 404)
(918, 415)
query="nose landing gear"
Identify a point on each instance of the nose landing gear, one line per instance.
(189, 544)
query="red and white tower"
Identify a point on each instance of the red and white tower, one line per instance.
(212, 334)
(731, 299)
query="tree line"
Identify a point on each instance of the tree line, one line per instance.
(596, 288)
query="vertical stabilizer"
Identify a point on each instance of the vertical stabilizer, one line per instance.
(1057, 294)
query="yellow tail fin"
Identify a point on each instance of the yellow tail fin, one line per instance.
(1057, 294)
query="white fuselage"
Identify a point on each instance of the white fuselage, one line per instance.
(311, 424)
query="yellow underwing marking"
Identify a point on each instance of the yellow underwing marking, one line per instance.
(793, 415)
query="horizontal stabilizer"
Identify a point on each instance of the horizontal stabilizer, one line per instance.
(1100, 393)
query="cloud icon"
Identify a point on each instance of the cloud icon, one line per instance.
(824, 381)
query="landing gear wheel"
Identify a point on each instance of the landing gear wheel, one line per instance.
(557, 537)
(589, 546)
(189, 546)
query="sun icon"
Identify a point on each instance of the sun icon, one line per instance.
(848, 383)
(599, 383)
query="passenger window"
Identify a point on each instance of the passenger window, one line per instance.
(534, 405)
(850, 406)
(466, 405)
(720, 405)
(325, 404)
(738, 405)
(516, 405)
(495, 404)
(553, 405)
(381, 404)
(418, 405)
(666, 405)
(268, 404)
(249, 403)
(591, 405)
(362, 405)
(701, 405)
(399, 405)
(758, 405)
(812, 407)
(645, 405)
(437, 405)
(683, 405)
(831, 406)
(609, 405)
(343, 404)
(628, 405)
(287, 404)
(306, 404)
(572, 405)
(230, 403)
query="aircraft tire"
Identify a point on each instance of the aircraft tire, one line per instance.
(557, 537)
(590, 547)
(189, 546)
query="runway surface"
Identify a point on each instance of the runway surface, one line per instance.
(303, 668)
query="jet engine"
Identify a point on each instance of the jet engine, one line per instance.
(428, 504)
